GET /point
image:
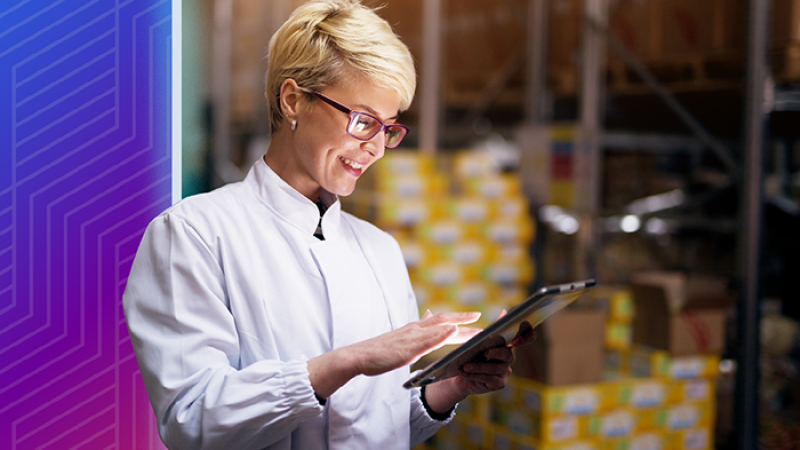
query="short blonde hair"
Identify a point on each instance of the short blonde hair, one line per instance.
(324, 40)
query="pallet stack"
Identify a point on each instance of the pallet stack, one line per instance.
(463, 227)
(649, 398)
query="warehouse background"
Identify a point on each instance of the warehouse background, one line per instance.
(650, 144)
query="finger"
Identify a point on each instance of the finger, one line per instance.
(428, 314)
(503, 354)
(486, 368)
(457, 318)
(463, 335)
(491, 382)
(528, 337)
(502, 314)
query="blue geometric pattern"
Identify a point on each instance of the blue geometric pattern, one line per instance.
(85, 164)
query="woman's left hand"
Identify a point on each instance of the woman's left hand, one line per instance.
(478, 377)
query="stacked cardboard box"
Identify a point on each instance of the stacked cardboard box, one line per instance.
(462, 224)
(658, 413)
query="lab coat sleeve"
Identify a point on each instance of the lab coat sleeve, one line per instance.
(423, 425)
(187, 346)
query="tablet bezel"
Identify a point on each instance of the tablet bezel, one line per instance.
(490, 337)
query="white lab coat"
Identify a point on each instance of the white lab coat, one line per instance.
(229, 296)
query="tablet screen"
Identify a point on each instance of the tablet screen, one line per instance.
(521, 318)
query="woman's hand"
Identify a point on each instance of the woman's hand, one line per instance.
(406, 345)
(478, 377)
(389, 351)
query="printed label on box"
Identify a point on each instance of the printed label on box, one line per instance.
(695, 439)
(467, 253)
(531, 401)
(471, 211)
(696, 390)
(686, 367)
(408, 187)
(579, 446)
(563, 429)
(647, 442)
(682, 417)
(648, 394)
(617, 424)
(581, 401)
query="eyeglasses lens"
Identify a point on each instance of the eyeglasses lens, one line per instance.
(365, 127)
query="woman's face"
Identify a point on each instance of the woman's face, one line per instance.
(327, 156)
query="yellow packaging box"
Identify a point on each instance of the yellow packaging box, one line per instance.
(441, 232)
(643, 393)
(701, 438)
(475, 407)
(519, 273)
(405, 162)
(410, 185)
(440, 275)
(508, 231)
(503, 439)
(470, 294)
(677, 417)
(493, 187)
(465, 209)
(616, 364)
(643, 441)
(474, 164)
(471, 433)
(618, 336)
(464, 251)
(562, 193)
(401, 212)
(514, 207)
(620, 306)
(549, 429)
(583, 444)
(692, 391)
(618, 423)
(648, 362)
(584, 399)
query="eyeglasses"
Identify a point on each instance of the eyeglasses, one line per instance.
(365, 126)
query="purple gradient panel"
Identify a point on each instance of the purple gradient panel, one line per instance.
(85, 164)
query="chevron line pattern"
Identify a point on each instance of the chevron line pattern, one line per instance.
(85, 164)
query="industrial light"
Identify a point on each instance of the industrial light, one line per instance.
(630, 224)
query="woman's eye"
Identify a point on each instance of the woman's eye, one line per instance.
(363, 123)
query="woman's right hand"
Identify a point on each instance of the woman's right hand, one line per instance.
(397, 348)
(407, 344)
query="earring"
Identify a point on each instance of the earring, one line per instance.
(294, 124)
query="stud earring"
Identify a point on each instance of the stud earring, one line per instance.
(294, 124)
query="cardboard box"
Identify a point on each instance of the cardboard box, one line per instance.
(649, 362)
(643, 441)
(684, 315)
(701, 438)
(785, 22)
(568, 349)
(583, 399)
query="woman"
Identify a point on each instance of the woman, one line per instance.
(262, 316)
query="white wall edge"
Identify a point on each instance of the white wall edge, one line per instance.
(177, 99)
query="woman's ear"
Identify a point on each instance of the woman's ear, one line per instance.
(290, 98)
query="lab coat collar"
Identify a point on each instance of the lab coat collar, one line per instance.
(291, 204)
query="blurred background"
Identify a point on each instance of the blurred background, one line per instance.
(649, 144)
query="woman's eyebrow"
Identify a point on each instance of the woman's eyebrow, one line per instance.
(375, 113)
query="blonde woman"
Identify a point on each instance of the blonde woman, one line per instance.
(263, 316)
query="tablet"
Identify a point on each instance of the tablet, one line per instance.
(521, 318)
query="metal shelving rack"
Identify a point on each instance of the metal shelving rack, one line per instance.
(749, 172)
